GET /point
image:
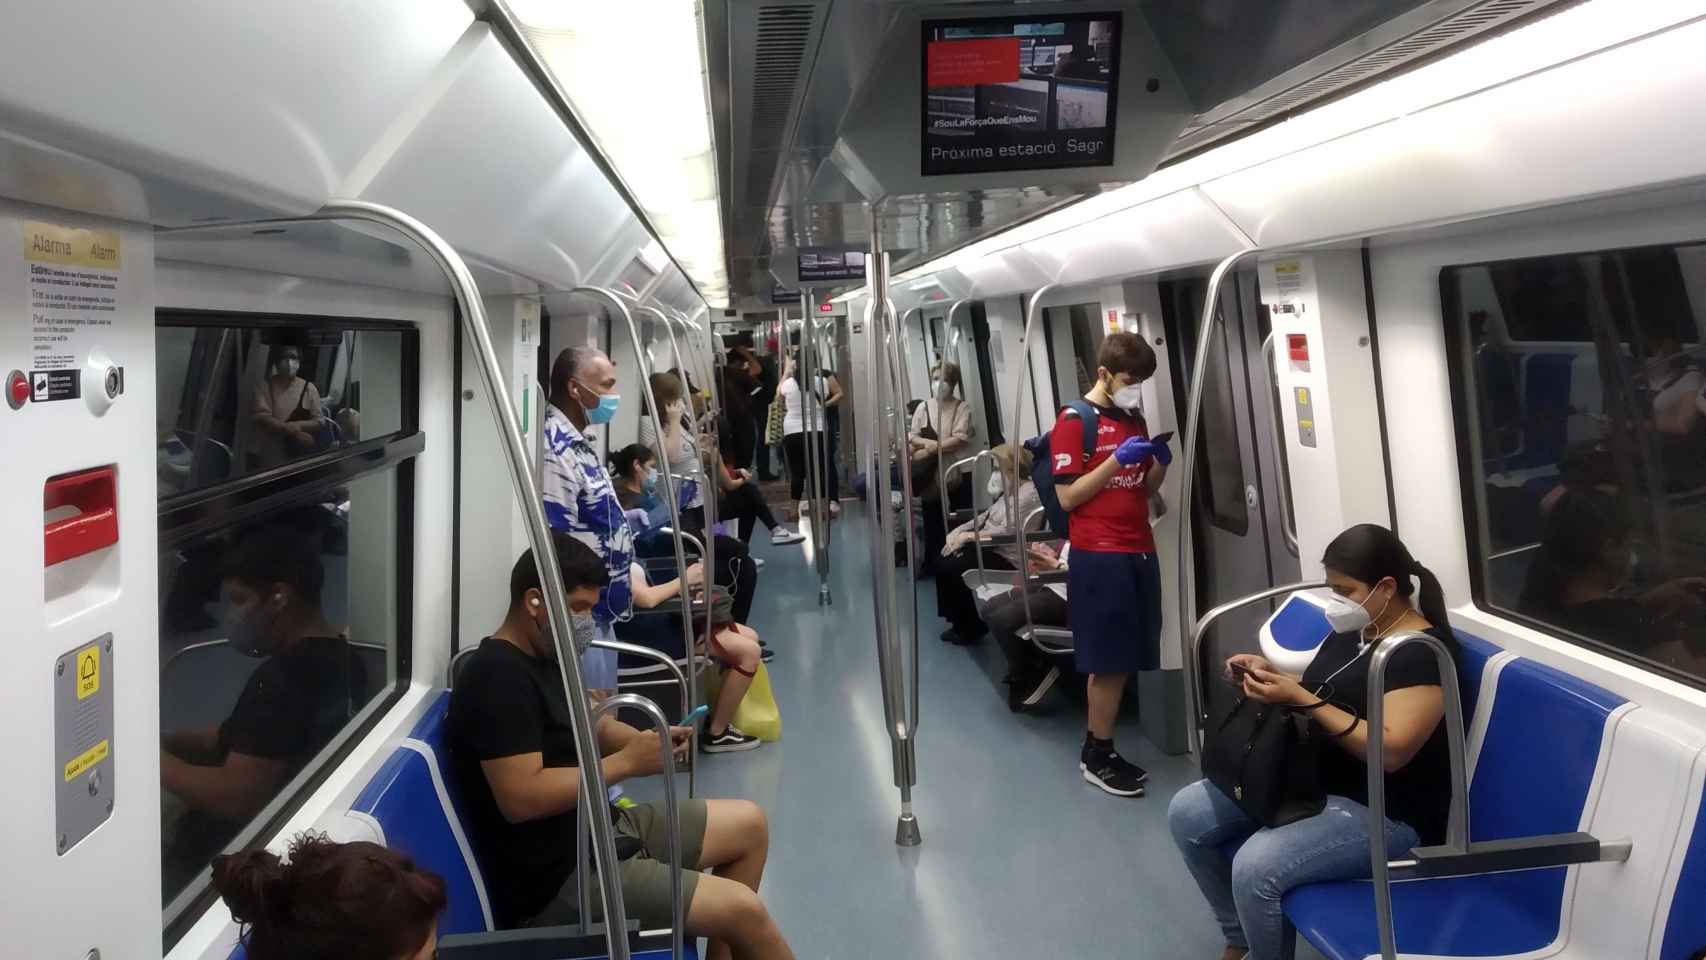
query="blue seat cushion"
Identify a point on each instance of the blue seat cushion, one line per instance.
(1685, 929)
(1491, 916)
(1299, 625)
(1472, 656)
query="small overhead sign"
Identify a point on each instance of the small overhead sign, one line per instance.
(781, 295)
(830, 265)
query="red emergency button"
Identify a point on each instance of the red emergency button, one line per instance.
(17, 389)
(1297, 345)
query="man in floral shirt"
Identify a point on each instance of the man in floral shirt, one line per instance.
(579, 496)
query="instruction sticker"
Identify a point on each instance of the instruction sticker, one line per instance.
(1288, 279)
(88, 673)
(86, 760)
(74, 276)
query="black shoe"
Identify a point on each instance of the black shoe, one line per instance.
(731, 740)
(1113, 773)
(765, 654)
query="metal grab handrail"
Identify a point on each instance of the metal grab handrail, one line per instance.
(710, 489)
(634, 649)
(643, 362)
(672, 829)
(895, 336)
(1024, 362)
(1196, 699)
(1193, 424)
(477, 330)
(814, 441)
(1457, 824)
(941, 471)
(1288, 522)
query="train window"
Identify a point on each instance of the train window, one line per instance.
(238, 395)
(284, 593)
(1580, 382)
(1221, 488)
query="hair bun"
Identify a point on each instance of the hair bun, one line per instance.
(254, 884)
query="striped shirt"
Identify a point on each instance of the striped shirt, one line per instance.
(581, 501)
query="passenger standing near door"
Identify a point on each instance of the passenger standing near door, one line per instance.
(1114, 586)
(579, 496)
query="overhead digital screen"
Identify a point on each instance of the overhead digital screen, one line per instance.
(830, 265)
(1010, 93)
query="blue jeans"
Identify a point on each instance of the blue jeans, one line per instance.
(1244, 869)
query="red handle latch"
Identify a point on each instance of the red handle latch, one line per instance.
(94, 495)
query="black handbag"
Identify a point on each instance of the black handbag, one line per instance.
(1267, 758)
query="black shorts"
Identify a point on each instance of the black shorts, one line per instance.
(1114, 606)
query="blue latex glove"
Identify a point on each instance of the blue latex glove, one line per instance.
(1162, 453)
(1135, 450)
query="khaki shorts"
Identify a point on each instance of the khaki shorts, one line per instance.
(645, 875)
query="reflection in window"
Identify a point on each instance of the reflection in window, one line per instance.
(1581, 390)
(275, 633)
(1222, 485)
(235, 400)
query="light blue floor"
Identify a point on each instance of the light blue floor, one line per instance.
(1021, 858)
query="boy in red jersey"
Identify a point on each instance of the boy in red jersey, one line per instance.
(1114, 588)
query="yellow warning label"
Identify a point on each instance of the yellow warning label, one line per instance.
(70, 246)
(88, 672)
(81, 763)
(1303, 395)
(1288, 266)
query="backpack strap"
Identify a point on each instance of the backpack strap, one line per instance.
(1091, 419)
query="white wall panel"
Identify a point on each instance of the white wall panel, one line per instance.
(1177, 230)
(269, 104)
(1618, 120)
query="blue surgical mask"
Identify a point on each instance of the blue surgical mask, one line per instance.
(651, 482)
(606, 409)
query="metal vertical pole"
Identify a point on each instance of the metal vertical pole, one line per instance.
(817, 443)
(900, 714)
(1187, 497)
(620, 306)
(1032, 309)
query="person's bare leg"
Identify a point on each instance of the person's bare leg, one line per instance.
(1234, 953)
(736, 922)
(741, 645)
(1103, 693)
(737, 841)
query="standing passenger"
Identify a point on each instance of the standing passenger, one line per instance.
(1114, 585)
(579, 497)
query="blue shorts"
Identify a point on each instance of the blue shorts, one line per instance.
(1113, 602)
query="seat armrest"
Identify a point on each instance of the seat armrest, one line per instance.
(544, 943)
(1503, 856)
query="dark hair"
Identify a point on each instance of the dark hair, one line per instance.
(1126, 353)
(330, 900)
(580, 565)
(1575, 535)
(950, 374)
(563, 369)
(666, 389)
(272, 555)
(1370, 553)
(622, 461)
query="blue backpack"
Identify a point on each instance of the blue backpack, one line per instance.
(1042, 465)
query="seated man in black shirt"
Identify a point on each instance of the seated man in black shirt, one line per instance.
(296, 700)
(513, 752)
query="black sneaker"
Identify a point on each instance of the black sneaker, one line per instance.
(731, 740)
(1113, 773)
(765, 653)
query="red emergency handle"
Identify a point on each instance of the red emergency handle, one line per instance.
(94, 494)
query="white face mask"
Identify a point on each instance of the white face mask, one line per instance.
(997, 484)
(1129, 397)
(1345, 615)
(289, 365)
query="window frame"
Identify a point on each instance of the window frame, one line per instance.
(215, 506)
(1466, 429)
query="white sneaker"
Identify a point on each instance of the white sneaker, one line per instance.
(805, 510)
(834, 509)
(757, 563)
(782, 536)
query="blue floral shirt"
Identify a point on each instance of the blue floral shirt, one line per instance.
(581, 501)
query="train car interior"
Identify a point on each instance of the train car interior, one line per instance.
(986, 478)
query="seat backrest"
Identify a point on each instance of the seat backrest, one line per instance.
(1472, 656)
(1546, 406)
(411, 799)
(1684, 915)
(1541, 752)
(1292, 635)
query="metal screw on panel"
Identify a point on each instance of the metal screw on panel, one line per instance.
(109, 644)
(109, 806)
(1159, 341)
(1362, 341)
(59, 669)
(467, 394)
(62, 843)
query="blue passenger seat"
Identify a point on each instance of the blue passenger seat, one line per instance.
(1685, 920)
(1535, 772)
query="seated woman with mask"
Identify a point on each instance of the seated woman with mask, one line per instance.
(954, 600)
(1243, 868)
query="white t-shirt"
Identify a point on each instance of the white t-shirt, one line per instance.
(794, 420)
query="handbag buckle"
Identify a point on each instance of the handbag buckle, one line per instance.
(1238, 792)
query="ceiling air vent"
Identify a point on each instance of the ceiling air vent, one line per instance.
(780, 44)
(1309, 84)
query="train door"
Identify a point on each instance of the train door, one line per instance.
(1244, 542)
(1072, 334)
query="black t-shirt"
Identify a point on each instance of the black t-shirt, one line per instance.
(295, 702)
(1420, 793)
(506, 703)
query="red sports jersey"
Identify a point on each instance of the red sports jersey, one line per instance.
(1115, 520)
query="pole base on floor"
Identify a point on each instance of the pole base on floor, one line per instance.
(906, 831)
(823, 597)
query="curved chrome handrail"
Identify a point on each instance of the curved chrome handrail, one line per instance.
(1288, 523)
(1196, 699)
(672, 826)
(1024, 362)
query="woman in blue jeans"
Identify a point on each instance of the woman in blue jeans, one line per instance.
(1245, 869)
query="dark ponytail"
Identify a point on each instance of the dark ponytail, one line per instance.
(329, 900)
(1371, 553)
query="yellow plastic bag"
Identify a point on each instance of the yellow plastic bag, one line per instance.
(758, 714)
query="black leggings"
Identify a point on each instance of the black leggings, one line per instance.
(735, 569)
(794, 447)
(746, 506)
